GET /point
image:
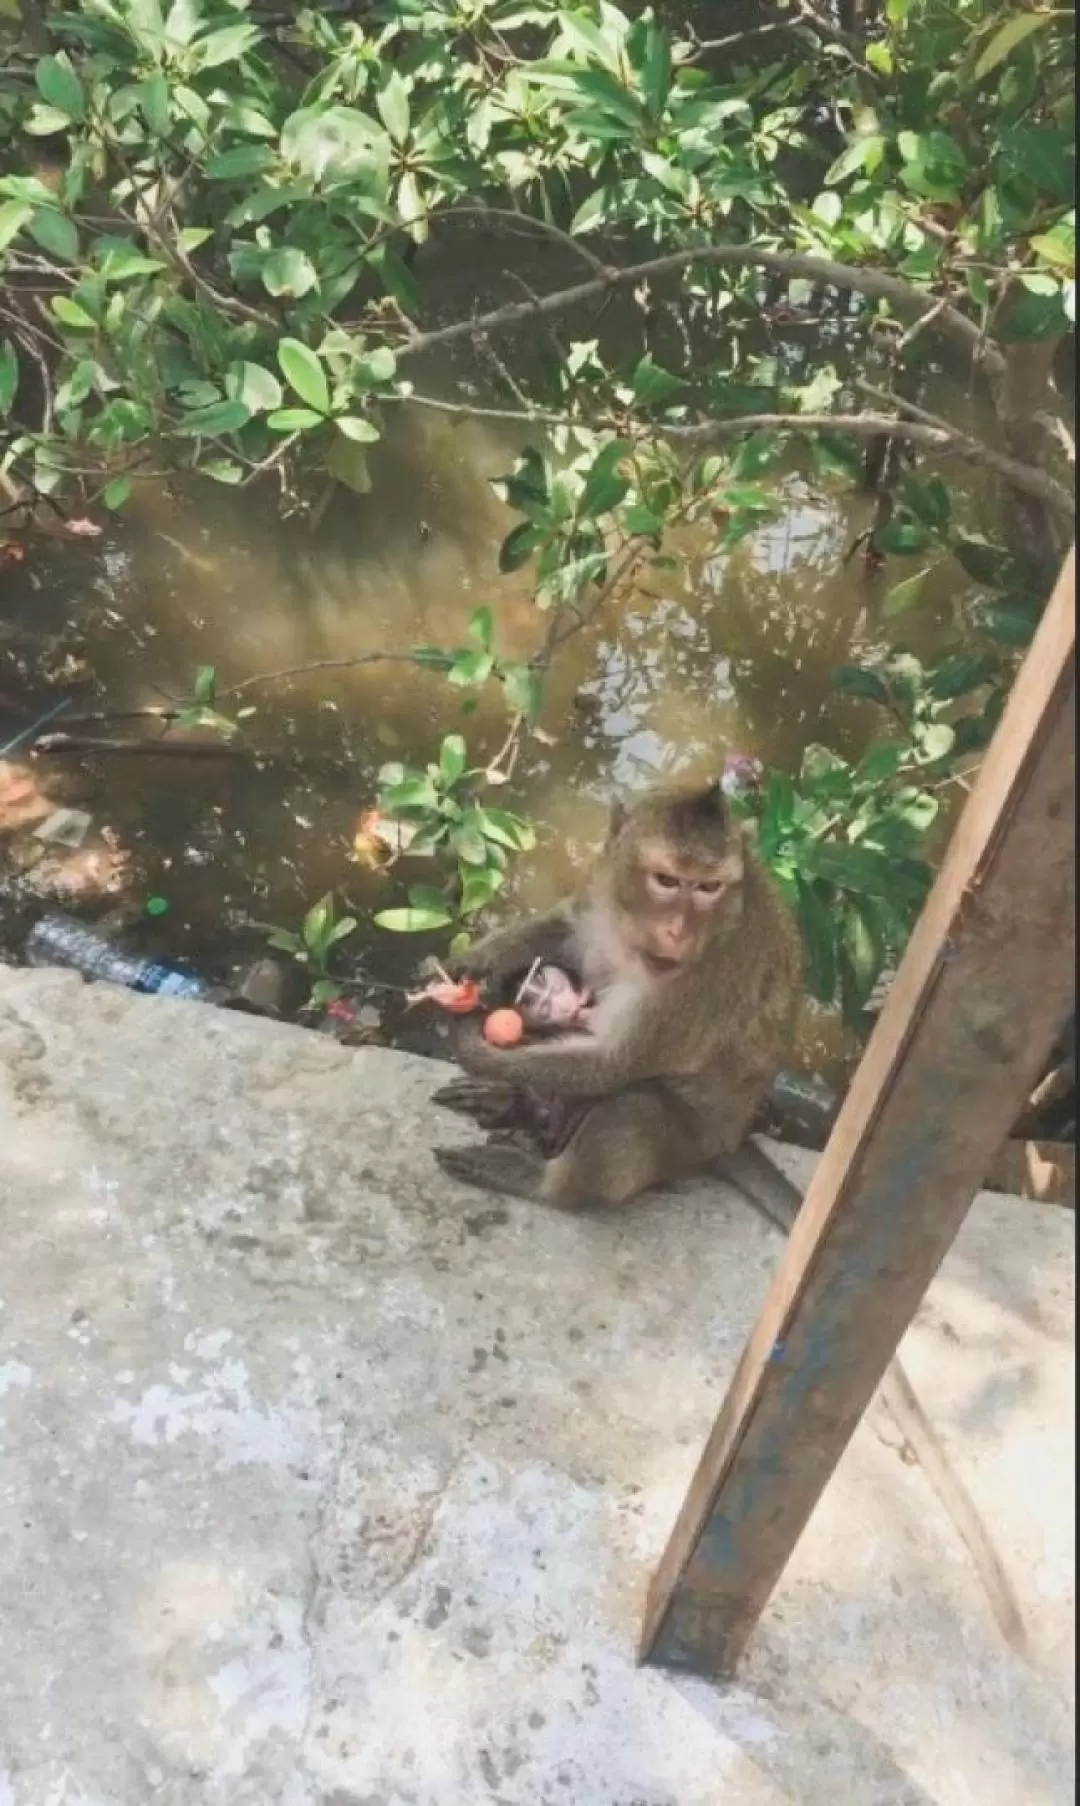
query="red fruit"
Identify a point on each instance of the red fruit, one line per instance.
(504, 1028)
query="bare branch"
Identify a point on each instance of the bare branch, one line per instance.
(877, 284)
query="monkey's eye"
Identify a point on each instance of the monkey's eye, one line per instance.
(664, 881)
(711, 888)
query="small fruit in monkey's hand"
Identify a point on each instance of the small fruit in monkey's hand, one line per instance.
(504, 1028)
(460, 996)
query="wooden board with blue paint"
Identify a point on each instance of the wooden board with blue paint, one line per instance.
(972, 1015)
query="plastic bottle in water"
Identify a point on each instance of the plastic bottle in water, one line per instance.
(58, 940)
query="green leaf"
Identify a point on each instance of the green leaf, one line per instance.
(333, 145)
(154, 100)
(284, 940)
(453, 758)
(471, 668)
(757, 453)
(1009, 624)
(934, 740)
(13, 217)
(255, 386)
(9, 375)
(44, 122)
(55, 233)
(70, 314)
(862, 153)
(652, 383)
(413, 921)
(116, 493)
(212, 421)
(205, 685)
(604, 488)
(324, 991)
(904, 595)
(1043, 155)
(241, 160)
(482, 627)
(221, 470)
(902, 536)
(120, 260)
(1005, 40)
(523, 689)
(862, 958)
(304, 373)
(288, 271)
(375, 368)
(656, 69)
(225, 46)
(980, 559)
(341, 930)
(478, 889)
(360, 431)
(409, 793)
(1058, 246)
(856, 680)
(58, 84)
(519, 545)
(294, 420)
(505, 829)
(881, 762)
(819, 939)
(959, 674)
(929, 500)
(393, 104)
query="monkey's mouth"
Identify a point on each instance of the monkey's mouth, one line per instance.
(662, 962)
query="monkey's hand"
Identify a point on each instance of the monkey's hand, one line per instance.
(508, 952)
(577, 1064)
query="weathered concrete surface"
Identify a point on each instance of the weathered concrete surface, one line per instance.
(324, 1484)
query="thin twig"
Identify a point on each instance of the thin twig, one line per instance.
(334, 664)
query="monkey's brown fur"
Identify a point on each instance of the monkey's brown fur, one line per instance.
(694, 962)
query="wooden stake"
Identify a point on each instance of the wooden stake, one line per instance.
(963, 1036)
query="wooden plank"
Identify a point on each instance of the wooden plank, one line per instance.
(960, 1042)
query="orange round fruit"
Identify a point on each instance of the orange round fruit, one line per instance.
(504, 1028)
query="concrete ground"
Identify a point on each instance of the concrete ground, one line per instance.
(323, 1483)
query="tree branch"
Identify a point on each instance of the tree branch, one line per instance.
(928, 431)
(877, 284)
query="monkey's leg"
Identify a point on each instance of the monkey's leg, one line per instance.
(624, 1145)
(492, 1106)
(499, 1166)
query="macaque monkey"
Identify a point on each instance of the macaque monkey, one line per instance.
(691, 961)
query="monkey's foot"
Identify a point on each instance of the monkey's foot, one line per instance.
(492, 1106)
(496, 1166)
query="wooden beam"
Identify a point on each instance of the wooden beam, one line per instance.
(960, 1042)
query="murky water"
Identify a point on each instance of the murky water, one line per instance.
(733, 651)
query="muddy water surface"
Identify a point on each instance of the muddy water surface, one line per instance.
(733, 651)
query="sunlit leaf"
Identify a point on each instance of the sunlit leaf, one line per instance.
(413, 921)
(1014, 31)
(304, 373)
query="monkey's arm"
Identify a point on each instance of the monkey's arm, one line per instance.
(578, 1065)
(506, 951)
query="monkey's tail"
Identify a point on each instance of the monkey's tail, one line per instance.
(774, 1196)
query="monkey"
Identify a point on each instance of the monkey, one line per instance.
(694, 963)
(693, 959)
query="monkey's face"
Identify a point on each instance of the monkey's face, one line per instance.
(677, 870)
